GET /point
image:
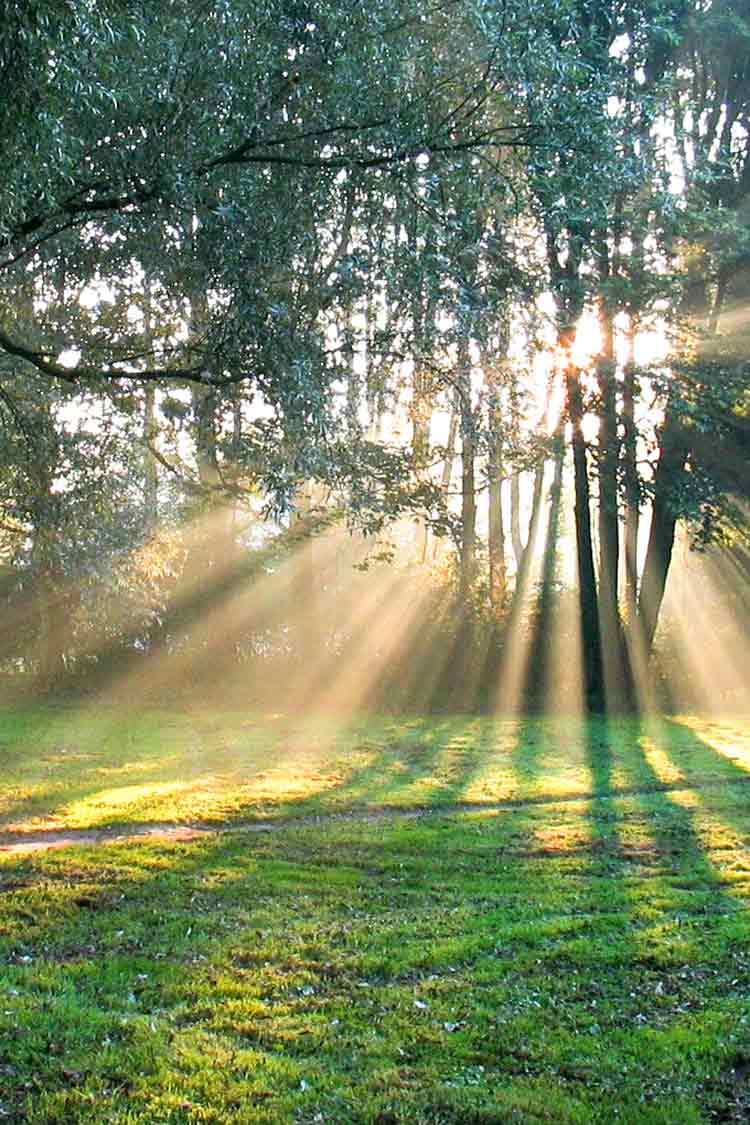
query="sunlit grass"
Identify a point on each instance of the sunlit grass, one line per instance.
(577, 955)
(93, 767)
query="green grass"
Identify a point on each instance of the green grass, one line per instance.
(107, 766)
(580, 953)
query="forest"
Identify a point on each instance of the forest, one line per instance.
(374, 562)
(403, 351)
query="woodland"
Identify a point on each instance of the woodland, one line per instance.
(374, 558)
(403, 350)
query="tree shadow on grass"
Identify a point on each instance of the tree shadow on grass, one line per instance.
(697, 759)
(116, 769)
(340, 954)
(686, 877)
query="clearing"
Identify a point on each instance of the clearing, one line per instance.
(564, 937)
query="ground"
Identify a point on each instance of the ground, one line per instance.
(446, 920)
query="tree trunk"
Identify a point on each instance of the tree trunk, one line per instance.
(515, 517)
(467, 571)
(632, 483)
(545, 607)
(304, 608)
(150, 426)
(496, 540)
(609, 537)
(523, 574)
(150, 472)
(588, 602)
(421, 416)
(450, 456)
(674, 450)
(498, 572)
(52, 608)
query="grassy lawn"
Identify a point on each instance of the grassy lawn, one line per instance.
(579, 952)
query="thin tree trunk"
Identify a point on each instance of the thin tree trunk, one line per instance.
(496, 540)
(631, 479)
(515, 517)
(675, 447)
(609, 531)
(589, 608)
(450, 457)
(540, 656)
(467, 572)
(498, 571)
(53, 617)
(674, 451)
(304, 608)
(528, 551)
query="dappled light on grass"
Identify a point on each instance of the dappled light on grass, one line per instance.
(125, 800)
(658, 760)
(495, 778)
(546, 960)
(729, 738)
(83, 768)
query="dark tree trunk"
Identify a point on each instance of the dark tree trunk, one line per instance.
(632, 486)
(545, 608)
(450, 457)
(515, 517)
(674, 450)
(498, 570)
(609, 531)
(53, 616)
(588, 602)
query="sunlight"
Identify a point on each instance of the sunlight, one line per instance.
(122, 800)
(658, 759)
(708, 642)
(730, 739)
(496, 780)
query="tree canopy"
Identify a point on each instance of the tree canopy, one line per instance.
(283, 257)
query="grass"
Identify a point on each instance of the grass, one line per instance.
(580, 953)
(67, 768)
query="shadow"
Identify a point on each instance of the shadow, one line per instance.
(534, 951)
(100, 769)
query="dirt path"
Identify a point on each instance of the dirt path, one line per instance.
(20, 841)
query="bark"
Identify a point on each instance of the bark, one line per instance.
(450, 454)
(514, 662)
(498, 574)
(631, 481)
(674, 450)
(608, 460)
(496, 540)
(523, 574)
(609, 531)
(305, 592)
(53, 612)
(540, 656)
(588, 601)
(515, 517)
(150, 426)
(674, 447)
(450, 457)
(150, 472)
(204, 414)
(467, 562)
